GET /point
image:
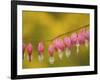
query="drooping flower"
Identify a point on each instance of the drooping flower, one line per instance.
(74, 38)
(75, 41)
(29, 50)
(59, 45)
(67, 42)
(40, 51)
(68, 45)
(51, 50)
(86, 35)
(81, 38)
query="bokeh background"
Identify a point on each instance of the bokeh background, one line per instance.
(44, 26)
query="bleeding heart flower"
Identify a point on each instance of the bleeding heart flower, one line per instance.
(59, 45)
(75, 40)
(81, 38)
(29, 50)
(68, 45)
(86, 35)
(23, 49)
(40, 50)
(67, 42)
(51, 50)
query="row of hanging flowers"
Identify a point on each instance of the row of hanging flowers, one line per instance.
(59, 45)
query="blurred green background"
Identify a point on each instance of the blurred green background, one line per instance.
(45, 26)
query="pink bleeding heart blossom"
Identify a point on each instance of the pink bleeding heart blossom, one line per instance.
(77, 38)
(81, 38)
(74, 39)
(51, 49)
(29, 50)
(40, 48)
(59, 44)
(87, 35)
(67, 42)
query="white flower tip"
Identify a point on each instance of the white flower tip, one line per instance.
(68, 53)
(60, 55)
(51, 60)
(40, 57)
(77, 48)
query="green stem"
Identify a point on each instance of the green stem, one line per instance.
(69, 32)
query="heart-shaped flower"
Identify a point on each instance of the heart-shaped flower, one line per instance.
(40, 50)
(59, 46)
(86, 35)
(51, 51)
(29, 50)
(68, 44)
(75, 38)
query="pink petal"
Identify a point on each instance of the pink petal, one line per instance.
(59, 44)
(51, 50)
(67, 42)
(87, 35)
(29, 48)
(40, 47)
(81, 38)
(74, 37)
